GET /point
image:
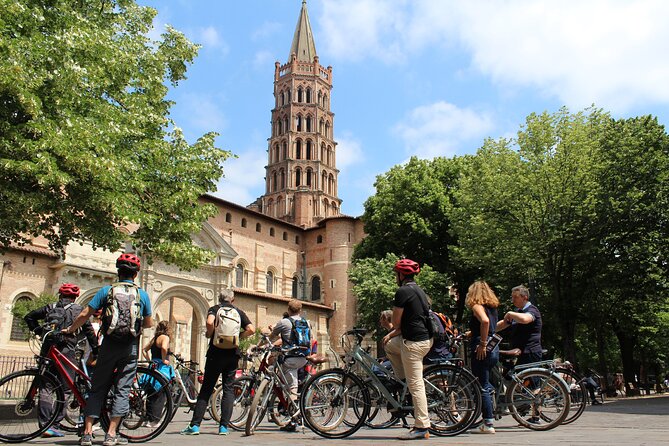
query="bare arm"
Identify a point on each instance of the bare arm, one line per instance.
(480, 314)
(145, 350)
(248, 331)
(521, 318)
(210, 325)
(147, 322)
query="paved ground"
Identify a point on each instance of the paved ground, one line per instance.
(631, 421)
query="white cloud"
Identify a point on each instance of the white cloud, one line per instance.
(441, 129)
(349, 151)
(243, 177)
(210, 38)
(607, 52)
(263, 59)
(202, 113)
(266, 30)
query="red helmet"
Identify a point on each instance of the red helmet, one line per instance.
(68, 290)
(407, 267)
(128, 261)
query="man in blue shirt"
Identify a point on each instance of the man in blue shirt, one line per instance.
(119, 349)
(526, 323)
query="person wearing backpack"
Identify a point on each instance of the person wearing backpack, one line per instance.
(294, 331)
(226, 325)
(409, 341)
(58, 316)
(126, 310)
(440, 350)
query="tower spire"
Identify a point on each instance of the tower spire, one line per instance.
(303, 40)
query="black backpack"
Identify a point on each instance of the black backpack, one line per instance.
(61, 315)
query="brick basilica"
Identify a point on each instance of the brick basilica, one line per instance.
(293, 241)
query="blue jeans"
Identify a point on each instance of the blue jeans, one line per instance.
(481, 370)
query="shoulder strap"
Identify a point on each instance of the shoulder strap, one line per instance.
(421, 297)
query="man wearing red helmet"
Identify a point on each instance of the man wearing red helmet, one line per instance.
(126, 310)
(409, 341)
(57, 316)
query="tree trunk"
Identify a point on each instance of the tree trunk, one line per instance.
(601, 353)
(627, 343)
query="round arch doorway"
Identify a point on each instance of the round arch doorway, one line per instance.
(186, 311)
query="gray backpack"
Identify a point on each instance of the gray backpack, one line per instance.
(122, 318)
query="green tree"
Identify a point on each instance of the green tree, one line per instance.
(374, 285)
(633, 254)
(87, 148)
(525, 210)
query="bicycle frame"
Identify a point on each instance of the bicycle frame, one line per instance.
(60, 361)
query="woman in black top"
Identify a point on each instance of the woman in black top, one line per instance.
(159, 346)
(483, 302)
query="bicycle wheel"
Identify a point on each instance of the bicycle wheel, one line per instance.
(177, 395)
(243, 388)
(278, 412)
(22, 395)
(453, 399)
(578, 394)
(334, 403)
(258, 406)
(72, 412)
(150, 407)
(539, 399)
(379, 415)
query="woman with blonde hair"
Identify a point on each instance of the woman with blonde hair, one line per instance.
(483, 302)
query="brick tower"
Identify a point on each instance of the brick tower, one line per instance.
(301, 171)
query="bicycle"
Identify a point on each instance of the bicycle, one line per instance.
(336, 402)
(22, 392)
(578, 392)
(272, 387)
(534, 394)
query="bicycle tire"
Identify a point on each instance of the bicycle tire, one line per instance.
(72, 411)
(243, 388)
(276, 415)
(326, 399)
(177, 395)
(28, 383)
(578, 394)
(453, 397)
(539, 400)
(135, 426)
(378, 408)
(258, 406)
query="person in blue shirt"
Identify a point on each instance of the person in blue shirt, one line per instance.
(119, 352)
(526, 325)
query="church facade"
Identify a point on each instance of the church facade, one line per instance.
(292, 242)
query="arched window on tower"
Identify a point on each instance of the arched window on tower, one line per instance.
(324, 182)
(279, 207)
(327, 130)
(270, 207)
(298, 176)
(282, 179)
(308, 123)
(331, 185)
(228, 217)
(284, 150)
(326, 207)
(308, 95)
(282, 98)
(288, 96)
(298, 123)
(321, 126)
(315, 288)
(299, 94)
(323, 152)
(329, 156)
(298, 149)
(275, 154)
(285, 125)
(241, 276)
(325, 101)
(308, 154)
(320, 98)
(307, 176)
(274, 184)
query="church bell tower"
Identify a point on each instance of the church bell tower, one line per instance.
(301, 171)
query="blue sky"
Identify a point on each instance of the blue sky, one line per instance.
(414, 77)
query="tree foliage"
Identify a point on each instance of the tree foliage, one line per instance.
(25, 306)
(374, 285)
(87, 147)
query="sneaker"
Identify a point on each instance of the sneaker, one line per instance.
(191, 430)
(290, 427)
(86, 440)
(109, 440)
(151, 425)
(596, 403)
(52, 433)
(121, 440)
(484, 429)
(415, 434)
(222, 430)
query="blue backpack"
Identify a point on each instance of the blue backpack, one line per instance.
(300, 335)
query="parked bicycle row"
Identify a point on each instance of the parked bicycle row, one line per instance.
(421, 382)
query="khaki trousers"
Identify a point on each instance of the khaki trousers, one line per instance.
(407, 360)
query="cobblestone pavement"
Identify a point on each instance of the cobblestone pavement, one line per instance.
(631, 421)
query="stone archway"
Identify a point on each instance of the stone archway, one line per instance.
(186, 310)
